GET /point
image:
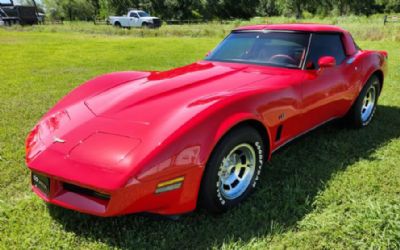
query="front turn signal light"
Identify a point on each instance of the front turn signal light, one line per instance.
(170, 185)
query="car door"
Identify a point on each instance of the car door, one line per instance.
(133, 19)
(325, 89)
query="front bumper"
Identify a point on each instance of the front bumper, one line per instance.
(156, 23)
(136, 197)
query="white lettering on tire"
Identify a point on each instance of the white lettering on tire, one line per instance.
(259, 150)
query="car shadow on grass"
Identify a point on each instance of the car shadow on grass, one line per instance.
(288, 187)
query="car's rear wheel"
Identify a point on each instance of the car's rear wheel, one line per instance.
(233, 169)
(118, 25)
(364, 107)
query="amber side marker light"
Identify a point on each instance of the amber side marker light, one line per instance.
(169, 185)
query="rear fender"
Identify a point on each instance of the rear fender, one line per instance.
(373, 62)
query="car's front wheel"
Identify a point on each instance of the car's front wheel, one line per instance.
(364, 107)
(233, 169)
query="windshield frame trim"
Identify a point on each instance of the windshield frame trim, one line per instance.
(301, 67)
(254, 63)
(307, 52)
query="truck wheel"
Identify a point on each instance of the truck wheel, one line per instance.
(117, 24)
(145, 25)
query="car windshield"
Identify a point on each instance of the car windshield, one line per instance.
(5, 2)
(271, 48)
(143, 14)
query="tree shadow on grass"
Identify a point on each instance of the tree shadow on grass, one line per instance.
(285, 194)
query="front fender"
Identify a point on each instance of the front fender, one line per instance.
(236, 119)
(186, 154)
(195, 139)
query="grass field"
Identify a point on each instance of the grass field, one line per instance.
(334, 188)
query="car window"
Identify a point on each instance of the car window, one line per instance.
(143, 14)
(325, 45)
(133, 15)
(5, 2)
(271, 48)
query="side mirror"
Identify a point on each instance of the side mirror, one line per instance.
(326, 62)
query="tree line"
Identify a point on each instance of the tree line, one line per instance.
(215, 9)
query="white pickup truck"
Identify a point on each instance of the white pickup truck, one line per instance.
(135, 18)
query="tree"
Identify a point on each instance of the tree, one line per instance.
(293, 7)
(225, 9)
(71, 9)
(269, 8)
(216, 9)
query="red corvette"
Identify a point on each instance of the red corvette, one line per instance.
(163, 142)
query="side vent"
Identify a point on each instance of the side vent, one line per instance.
(279, 133)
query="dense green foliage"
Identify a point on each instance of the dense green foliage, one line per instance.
(335, 188)
(217, 9)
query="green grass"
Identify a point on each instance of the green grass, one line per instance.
(334, 188)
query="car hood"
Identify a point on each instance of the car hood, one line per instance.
(158, 96)
(110, 132)
(149, 18)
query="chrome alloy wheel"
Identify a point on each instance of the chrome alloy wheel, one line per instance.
(236, 171)
(368, 104)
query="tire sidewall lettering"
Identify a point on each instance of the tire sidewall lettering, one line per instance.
(258, 147)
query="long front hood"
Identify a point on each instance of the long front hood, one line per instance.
(152, 99)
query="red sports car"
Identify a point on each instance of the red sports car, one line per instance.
(164, 142)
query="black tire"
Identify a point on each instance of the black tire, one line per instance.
(117, 24)
(356, 116)
(145, 25)
(212, 196)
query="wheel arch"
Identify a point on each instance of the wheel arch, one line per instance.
(380, 75)
(244, 120)
(373, 65)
